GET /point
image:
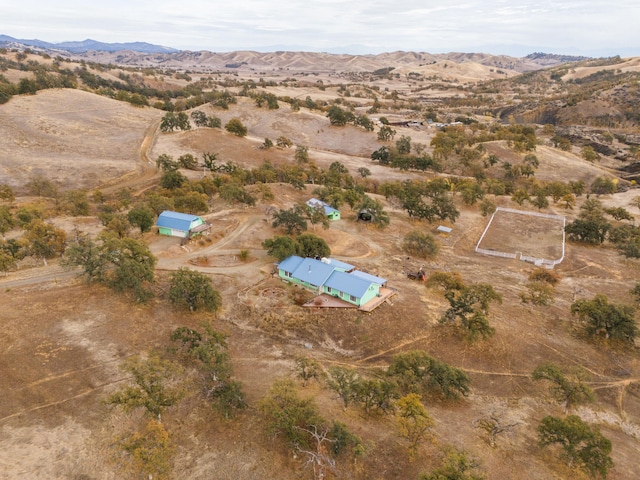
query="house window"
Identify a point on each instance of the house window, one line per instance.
(353, 299)
(328, 289)
(288, 274)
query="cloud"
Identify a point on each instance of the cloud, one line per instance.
(381, 25)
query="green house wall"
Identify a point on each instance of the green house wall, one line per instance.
(282, 274)
(372, 292)
(334, 216)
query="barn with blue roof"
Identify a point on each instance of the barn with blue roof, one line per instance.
(177, 224)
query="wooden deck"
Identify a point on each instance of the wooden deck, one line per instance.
(385, 294)
(328, 301)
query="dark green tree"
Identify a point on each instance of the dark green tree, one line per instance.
(606, 320)
(382, 155)
(584, 446)
(386, 133)
(188, 161)
(603, 186)
(373, 209)
(338, 117)
(364, 172)
(166, 163)
(292, 220)
(199, 118)
(364, 122)
(131, 265)
(344, 381)
(142, 217)
(310, 245)
(209, 161)
(567, 387)
(468, 304)
(417, 372)
(403, 145)
(280, 247)
(302, 154)
(593, 231)
(85, 253)
(236, 127)
(376, 395)
(193, 291)
(175, 121)
(619, 213)
(172, 180)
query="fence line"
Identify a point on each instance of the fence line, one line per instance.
(525, 258)
(495, 253)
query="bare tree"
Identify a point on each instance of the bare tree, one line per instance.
(318, 453)
(494, 426)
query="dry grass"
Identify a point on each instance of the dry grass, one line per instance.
(61, 341)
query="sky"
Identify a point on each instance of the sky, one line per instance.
(512, 27)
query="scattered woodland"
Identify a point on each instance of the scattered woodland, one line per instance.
(130, 355)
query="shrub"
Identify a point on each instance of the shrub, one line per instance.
(420, 244)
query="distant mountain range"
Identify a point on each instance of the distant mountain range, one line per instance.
(149, 55)
(88, 45)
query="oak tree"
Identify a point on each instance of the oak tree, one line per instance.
(193, 290)
(583, 445)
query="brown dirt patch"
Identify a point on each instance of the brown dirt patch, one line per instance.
(523, 233)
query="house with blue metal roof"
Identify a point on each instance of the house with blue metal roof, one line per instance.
(177, 224)
(329, 211)
(370, 278)
(350, 288)
(309, 272)
(331, 277)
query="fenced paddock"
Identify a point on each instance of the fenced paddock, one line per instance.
(529, 236)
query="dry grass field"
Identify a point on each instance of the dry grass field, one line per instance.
(62, 341)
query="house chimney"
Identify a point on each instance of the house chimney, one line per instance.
(309, 268)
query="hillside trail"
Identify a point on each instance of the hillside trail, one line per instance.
(139, 179)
